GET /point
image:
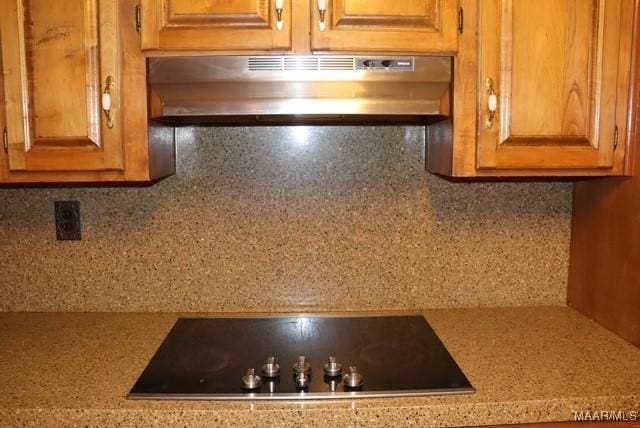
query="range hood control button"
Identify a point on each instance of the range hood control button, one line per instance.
(353, 379)
(387, 63)
(251, 381)
(369, 63)
(332, 368)
(302, 366)
(271, 369)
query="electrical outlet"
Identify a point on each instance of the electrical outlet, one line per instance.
(68, 221)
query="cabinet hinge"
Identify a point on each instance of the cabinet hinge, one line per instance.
(5, 139)
(138, 18)
(461, 20)
(616, 138)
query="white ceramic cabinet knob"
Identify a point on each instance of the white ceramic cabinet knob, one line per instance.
(322, 9)
(492, 103)
(106, 101)
(279, 10)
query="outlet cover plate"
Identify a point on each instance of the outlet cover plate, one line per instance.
(68, 227)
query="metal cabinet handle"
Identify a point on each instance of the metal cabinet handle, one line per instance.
(106, 100)
(322, 10)
(279, 10)
(492, 102)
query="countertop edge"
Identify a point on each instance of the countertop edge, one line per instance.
(441, 415)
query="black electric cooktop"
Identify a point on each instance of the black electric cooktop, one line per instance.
(209, 359)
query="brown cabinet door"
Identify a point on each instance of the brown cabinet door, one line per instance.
(382, 25)
(560, 73)
(57, 56)
(215, 25)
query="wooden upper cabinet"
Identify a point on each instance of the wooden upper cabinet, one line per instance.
(215, 25)
(57, 57)
(560, 73)
(382, 25)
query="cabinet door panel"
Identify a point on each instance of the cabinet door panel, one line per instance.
(560, 104)
(246, 13)
(554, 65)
(48, 41)
(380, 25)
(56, 56)
(214, 25)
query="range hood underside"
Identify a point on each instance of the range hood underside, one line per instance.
(284, 120)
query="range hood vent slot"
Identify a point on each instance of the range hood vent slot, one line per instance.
(301, 63)
(337, 63)
(265, 63)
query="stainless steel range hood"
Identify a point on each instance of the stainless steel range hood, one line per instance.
(286, 89)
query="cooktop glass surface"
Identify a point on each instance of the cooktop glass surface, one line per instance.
(206, 358)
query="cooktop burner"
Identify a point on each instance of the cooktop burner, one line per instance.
(300, 358)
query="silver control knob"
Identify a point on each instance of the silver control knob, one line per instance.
(333, 382)
(302, 380)
(271, 369)
(353, 379)
(332, 368)
(251, 381)
(302, 366)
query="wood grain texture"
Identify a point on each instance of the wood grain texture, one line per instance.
(4, 161)
(552, 44)
(558, 68)
(399, 8)
(451, 145)
(469, 117)
(214, 25)
(604, 268)
(144, 159)
(53, 74)
(301, 23)
(61, 51)
(216, 13)
(400, 14)
(380, 25)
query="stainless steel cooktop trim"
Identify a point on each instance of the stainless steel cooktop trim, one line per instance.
(301, 396)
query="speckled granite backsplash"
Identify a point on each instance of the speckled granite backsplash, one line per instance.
(290, 219)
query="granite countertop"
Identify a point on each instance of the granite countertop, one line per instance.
(534, 364)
